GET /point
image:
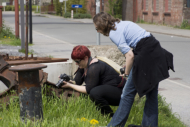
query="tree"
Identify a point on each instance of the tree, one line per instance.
(83, 9)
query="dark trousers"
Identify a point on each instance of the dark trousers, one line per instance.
(105, 95)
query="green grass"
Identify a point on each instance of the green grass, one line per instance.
(11, 41)
(29, 51)
(79, 112)
(8, 38)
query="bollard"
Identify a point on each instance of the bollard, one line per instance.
(1, 18)
(29, 91)
(72, 14)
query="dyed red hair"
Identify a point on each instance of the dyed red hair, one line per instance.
(80, 51)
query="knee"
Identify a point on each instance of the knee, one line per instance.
(93, 94)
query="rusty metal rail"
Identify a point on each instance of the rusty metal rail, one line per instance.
(18, 60)
(29, 91)
(11, 80)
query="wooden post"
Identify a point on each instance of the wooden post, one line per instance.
(16, 19)
(124, 9)
(1, 20)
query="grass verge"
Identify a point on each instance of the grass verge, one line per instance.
(81, 112)
(8, 38)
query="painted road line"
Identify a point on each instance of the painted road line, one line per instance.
(54, 38)
(178, 83)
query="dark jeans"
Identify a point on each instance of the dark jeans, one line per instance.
(105, 95)
(150, 115)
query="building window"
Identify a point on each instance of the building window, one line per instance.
(155, 5)
(168, 5)
(145, 5)
(188, 3)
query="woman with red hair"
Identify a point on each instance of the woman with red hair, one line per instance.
(103, 83)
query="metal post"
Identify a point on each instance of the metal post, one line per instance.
(16, 19)
(61, 8)
(22, 24)
(29, 91)
(30, 21)
(72, 14)
(1, 18)
(124, 9)
(65, 7)
(97, 11)
(26, 42)
(40, 6)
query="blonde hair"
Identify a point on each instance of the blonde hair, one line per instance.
(105, 22)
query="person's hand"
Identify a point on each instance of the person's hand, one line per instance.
(66, 84)
(123, 75)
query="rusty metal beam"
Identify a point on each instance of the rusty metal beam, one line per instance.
(16, 19)
(29, 91)
(11, 80)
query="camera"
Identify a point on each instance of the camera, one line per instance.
(63, 77)
(122, 70)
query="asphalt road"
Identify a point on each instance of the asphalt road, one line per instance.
(63, 34)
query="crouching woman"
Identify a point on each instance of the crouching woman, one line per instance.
(103, 83)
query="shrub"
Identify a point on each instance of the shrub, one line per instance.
(88, 16)
(77, 16)
(185, 25)
(9, 8)
(81, 16)
(67, 15)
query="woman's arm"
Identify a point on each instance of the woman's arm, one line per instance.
(129, 61)
(78, 88)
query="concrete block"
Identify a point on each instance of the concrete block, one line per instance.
(54, 70)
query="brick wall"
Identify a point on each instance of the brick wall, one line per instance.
(176, 13)
(91, 7)
(173, 16)
(129, 10)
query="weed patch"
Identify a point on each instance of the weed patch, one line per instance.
(82, 112)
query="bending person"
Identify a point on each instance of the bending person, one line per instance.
(103, 83)
(146, 65)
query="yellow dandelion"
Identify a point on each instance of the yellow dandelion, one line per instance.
(9, 37)
(83, 119)
(93, 121)
(4, 36)
(0, 118)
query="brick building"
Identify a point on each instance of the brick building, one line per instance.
(170, 12)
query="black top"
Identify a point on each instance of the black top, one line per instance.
(98, 73)
(151, 64)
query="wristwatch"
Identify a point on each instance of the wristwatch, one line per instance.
(126, 75)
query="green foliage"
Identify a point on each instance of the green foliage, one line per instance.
(185, 25)
(81, 16)
(9, 8)
(140, 21)
(12, 8)
(7, 37)
(82, 10)
(29, 52)
(78, 112)
(6, 31)
(69, 3)
(67, 15)
(57, 5)
(115, 8)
